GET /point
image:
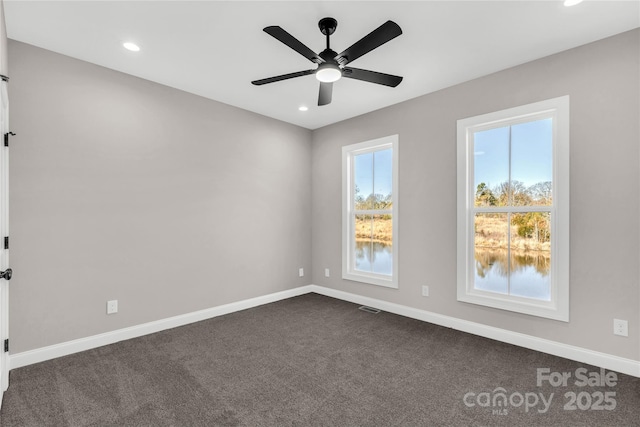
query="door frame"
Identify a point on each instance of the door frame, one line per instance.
(4, 231)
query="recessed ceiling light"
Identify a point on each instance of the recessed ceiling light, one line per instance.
(131, 46)
(571, 2)
(303, 108)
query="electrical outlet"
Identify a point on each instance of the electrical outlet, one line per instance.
(112, 306)
(620, 327)
(326, 272)
(425, 291)
(301, 272)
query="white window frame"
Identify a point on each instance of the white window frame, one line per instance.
(348, 236)
(558, 306)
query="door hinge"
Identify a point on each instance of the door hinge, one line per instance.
(6, 345)
(6, 138)
(6, 242)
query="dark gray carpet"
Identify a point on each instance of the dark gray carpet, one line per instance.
(307, 361)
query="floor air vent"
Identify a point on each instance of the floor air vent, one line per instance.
(369, 309)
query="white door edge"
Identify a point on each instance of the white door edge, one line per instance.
(4, 231)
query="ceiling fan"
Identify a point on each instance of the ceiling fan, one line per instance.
(332, 65)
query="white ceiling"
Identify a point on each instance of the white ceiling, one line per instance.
(216, 48)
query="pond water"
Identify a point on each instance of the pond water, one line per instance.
(374, 257)
(523, 273)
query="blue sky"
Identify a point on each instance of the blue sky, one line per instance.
(531, 158)
(531, 154)
(376, 165)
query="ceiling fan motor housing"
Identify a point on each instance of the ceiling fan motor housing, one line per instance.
(328, 55)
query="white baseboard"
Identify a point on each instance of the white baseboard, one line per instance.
(604, 360)
(63, 349)
(579, 354)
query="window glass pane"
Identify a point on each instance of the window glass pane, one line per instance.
(491, 166)
(491, 252)
(363, 177)
(363, 250)
(532, 162)
(530, 261)
(381, 247)
(382, 178)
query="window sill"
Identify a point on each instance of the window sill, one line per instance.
(371, 279)
(524, 306)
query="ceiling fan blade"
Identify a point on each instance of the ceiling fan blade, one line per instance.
(372, 76)
(282, 77)
(293, 43)
(326, 90)
(385, 32)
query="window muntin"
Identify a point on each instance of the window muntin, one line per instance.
(512, 225)
(370, 212)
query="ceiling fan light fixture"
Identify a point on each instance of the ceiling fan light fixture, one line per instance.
(328, 73)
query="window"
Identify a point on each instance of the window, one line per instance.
(370, 212)
(513, 209)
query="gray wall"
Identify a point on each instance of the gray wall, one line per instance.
(126, 189)
(602, 80)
